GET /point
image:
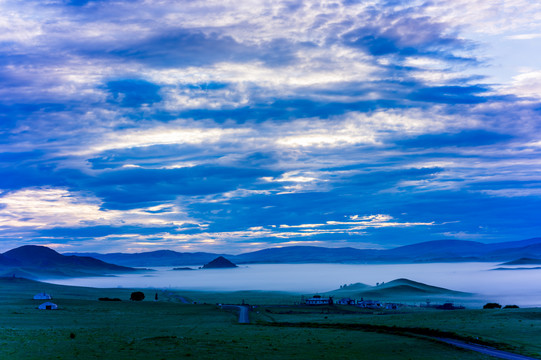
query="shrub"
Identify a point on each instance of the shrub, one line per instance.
(510, 307)
(492, 306)
(108, 299)
(137, 296)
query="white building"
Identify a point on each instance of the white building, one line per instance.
(42, 296)
(48, 306)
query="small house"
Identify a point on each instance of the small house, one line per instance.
(42, 296)
(48, 306)
(318, 300)
(369, 304)
(346, 301)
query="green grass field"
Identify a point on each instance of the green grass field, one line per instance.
(85, 328)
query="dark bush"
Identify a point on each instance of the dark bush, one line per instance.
(108, 299)
(492, 306)
(137, 296)
(510, 307)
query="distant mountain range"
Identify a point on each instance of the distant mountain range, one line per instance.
(523, 261)
(35, 262)
(154, 258)
(431, 251)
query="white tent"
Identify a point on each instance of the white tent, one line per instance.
(48, 306)
(42, 296)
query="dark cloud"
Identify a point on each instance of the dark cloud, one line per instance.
(361, 193)
(478, 213)
(133, 92)
(185, 47)
(339, 98)
(287, 109)
(130, 187)
(405, 34)
(13, 114)
(450, 94)
(16, 176)
(378, 180)
(207, 86)
(462, 139)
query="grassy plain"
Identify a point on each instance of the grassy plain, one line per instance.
(85, 328)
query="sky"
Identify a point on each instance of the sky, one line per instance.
(233, 126)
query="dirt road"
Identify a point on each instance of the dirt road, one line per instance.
(244, 312)
(485, 350)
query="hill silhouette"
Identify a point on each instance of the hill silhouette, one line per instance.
(354, 287)
(409, 288)
(40, 261)
(219, 263)
(398, 288)
(33, 255)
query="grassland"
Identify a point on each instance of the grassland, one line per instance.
(85, 328)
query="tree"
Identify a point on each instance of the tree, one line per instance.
(492, 306)
(137, 296)
(511, 307)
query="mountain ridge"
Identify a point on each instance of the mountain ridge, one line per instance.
(428, 251)
(154, 258)
(33, 261)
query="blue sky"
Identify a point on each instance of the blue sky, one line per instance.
(230, 126)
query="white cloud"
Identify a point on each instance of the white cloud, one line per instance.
(462, 235)
(425, 63)
(526, 84)
(489, 17)
(360, 128)
(356, 223)
(162, 135)
(514, 192)
(20, 27)
(524, 36)
(50, 207)
(46, 208)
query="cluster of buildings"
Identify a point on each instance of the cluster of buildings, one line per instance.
(46, 305)
(367, 304)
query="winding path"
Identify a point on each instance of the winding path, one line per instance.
(485, 350)
(411, 332)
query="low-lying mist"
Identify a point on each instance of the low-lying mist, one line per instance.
(519, 287)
